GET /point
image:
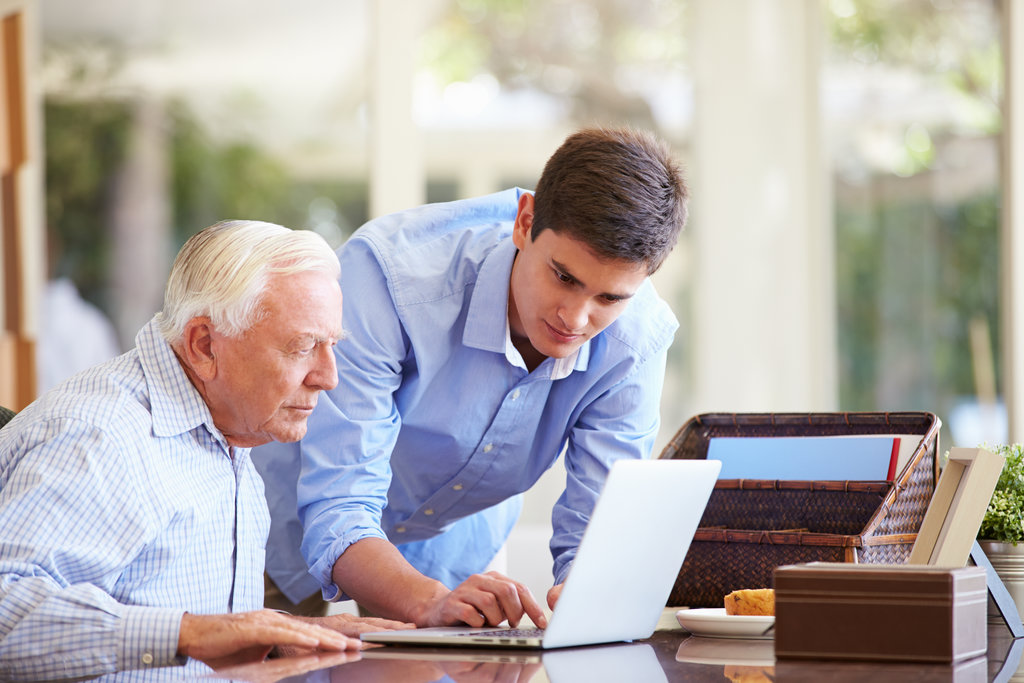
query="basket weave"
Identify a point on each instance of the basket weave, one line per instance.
(750, 527)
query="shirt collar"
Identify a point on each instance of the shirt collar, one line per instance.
(177, 406)
(487, 326)
(560, 367)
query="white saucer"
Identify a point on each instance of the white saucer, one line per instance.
(713, 622)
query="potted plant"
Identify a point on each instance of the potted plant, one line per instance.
(1002, 528)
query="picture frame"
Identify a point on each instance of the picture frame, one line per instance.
(958, 505)
(948, 534)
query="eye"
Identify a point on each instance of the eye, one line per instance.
(563, 277)
(305, 350)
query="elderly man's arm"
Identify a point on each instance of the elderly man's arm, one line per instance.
(78, 631)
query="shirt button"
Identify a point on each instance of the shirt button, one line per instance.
(488, 448)
(515, 394)
(457, 487)
(400, 529)
(147, 658)
(428, 512)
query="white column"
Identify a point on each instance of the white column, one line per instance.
(1012, 238)
(140, 223)
(763, 280)
(397, 177)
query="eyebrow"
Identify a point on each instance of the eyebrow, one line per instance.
(317, 338)
(609, 295)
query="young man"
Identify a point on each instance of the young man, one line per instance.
(132, 521)
(486, 337)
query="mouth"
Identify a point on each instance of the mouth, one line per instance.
(563, 337)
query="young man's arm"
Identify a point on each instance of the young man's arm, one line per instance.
(621, 423)
(376, 575)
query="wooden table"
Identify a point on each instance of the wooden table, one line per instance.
(669, 655)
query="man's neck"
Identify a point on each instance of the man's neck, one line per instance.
(531, 356)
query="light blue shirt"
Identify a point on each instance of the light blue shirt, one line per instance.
(121, 508)
(436, 425)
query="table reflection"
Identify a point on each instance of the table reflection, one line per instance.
(750, 661)
(669, 655)
(621, 662)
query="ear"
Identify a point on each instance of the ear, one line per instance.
(524, 221)
(197, 348)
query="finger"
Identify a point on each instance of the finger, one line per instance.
(473, 602)
(272, 629)
(388, 624)
(509, 596)
(515, 599)
(553, 594)
(353, 626)
(301, 633)
(494, 606)
(532, 608)
(467, 613)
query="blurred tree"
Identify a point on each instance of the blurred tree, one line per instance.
(216, 180)
(603, 57)
(917, 231)
(85, 143)
(949, 40)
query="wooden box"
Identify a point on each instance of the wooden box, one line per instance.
(826, 610)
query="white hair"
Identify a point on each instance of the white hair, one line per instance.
(222, 271)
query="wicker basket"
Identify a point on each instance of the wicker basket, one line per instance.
(752, 526)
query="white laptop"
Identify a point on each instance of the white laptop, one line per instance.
(625, 566)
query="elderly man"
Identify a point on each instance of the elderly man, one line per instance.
(132, 521)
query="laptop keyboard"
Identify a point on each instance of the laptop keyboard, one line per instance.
(509, 633)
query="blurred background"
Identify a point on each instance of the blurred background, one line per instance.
(844, 157)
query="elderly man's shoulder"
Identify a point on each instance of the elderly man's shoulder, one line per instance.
(111, 397)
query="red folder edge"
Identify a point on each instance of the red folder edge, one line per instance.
(894, 459)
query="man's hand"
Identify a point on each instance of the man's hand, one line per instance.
(485, 600)
(345, 624)
(227, 639)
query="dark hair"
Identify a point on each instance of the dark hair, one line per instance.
(618, 191)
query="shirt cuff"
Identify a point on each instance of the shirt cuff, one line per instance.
(323, 569)
(149, 638)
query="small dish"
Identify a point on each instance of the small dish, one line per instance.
(713, 622)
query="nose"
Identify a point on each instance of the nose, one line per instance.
(324, 375)
(574, 313)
